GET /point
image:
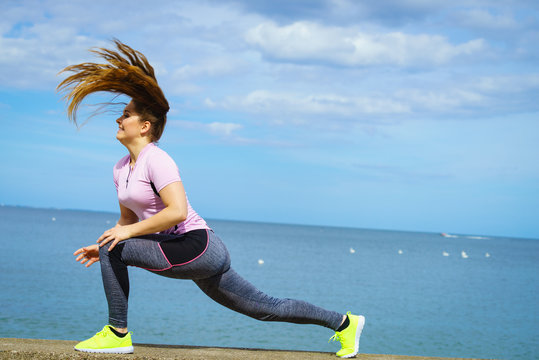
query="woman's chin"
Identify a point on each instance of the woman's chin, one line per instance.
(122, 139)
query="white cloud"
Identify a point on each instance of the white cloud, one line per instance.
(477, 96)
(310, 42)
(207, 47)
(484, 19)
(220, 129)
(263, 101)
(37, 39)
(440, 101)
(182, 79)
(209, 103)
(508, 83)
(401, 102)
(223, 129)
(33, 63)
(391, 12)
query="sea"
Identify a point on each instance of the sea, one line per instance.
(422, 293)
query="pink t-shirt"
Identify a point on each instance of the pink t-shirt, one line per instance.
(135, 191)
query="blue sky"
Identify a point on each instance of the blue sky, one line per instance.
(402, 115)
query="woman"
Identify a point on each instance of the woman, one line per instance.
(158, 230)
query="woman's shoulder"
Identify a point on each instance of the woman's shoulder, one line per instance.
(159, 164)
(123, 162)
(158, 154)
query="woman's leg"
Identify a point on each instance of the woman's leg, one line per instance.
(234, 292)
(231, 290)
(140, 252)
(150, 252)
(137, 252)
(212, 273)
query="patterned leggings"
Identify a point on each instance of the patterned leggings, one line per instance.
(212, 273)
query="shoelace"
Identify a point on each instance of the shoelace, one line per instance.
(101, 333)
(335, 337)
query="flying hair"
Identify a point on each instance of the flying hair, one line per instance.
(126, 72)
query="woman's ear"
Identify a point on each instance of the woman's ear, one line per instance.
(145, 129)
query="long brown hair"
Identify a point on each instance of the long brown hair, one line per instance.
(128, 72)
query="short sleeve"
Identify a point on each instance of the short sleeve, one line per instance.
(162, 170)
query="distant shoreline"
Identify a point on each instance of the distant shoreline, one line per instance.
(209, 219)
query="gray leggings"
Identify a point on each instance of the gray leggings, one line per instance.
(211, 272)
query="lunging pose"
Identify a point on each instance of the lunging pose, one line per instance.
(158, 230)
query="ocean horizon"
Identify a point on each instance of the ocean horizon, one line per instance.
(441, 232)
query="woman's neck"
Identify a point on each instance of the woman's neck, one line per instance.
(135, 148)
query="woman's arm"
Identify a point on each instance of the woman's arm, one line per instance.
(127, 216)
(175, 211)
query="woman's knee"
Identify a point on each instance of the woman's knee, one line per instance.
(104, 250)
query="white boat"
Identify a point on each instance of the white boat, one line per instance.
(448, 235)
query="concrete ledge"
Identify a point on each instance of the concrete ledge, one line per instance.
(11, 348)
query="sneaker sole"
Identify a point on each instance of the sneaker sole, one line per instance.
(360, 325)
(120, 350)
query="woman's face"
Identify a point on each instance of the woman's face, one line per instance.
(129, 124)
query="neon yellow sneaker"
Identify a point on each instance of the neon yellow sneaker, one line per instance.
(349, 337)
(106, 341)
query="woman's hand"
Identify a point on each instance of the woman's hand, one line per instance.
(115, 234)
(89, 254)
